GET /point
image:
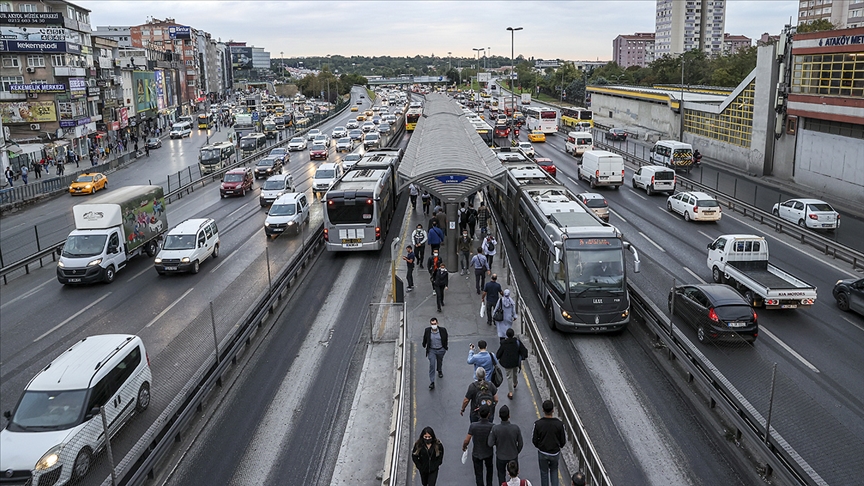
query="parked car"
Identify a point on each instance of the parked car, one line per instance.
(281, 153)
(695, 206)
(267, 167)
(849, 294)
(547, 165)
(616, 134)
(88, 183)
(716, 311)
(597, 203)
(154, 142)
(187, 245)
(297, 143)
(808, 213)
(236, 182)
(318, 151)
(288, 213)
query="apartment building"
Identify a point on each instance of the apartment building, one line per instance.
(684, 25)
(734, 43)
(633, 49)
(842, 13)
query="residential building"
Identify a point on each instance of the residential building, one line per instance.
(633, 49)
(121, 34)
(842, 13)
(684, 25)
(734, 43)
(169, 36)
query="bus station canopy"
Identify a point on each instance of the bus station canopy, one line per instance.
(446, 156)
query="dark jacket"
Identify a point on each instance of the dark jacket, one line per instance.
(435, 236)
(507, 438)
(511, 352)
(430, 264)
(427, 338)
(464, 244)
(548, 435)
(425, 460)
(442, 277)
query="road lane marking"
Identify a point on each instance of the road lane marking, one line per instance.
(617, 215)
(73, 316)
(139, 274)
(852, 322)
(639, 195)
(232, 212)
(29, 293)
(571, 180)
(706, 235)
(789, 349)
(697, 277)
(165, 311)
(652, 242)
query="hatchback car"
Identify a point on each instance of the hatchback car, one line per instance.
(695, 206)
(597, 203)
(311, 134)
(616, 134)
(808, 213)
(716, 311)
(536, 136)
(547, 165)
(349, 160)
(297, 143)
(280, 153)
(318, 151)
(267, 167)
(88, 183)
(527, 148)
(236, 182)
(849, 294)
(344, 144)
(287, 214)
(355, 135)
(154, 143)
(384, 128)
(371, 140)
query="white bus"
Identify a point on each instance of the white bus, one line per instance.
(252, 143)
(540, 118)
(215, 157)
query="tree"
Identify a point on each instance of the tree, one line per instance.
(815, 26)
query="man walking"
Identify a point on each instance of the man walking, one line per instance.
(409, 264)
(426, 198)
(472, 220)
(481, 454)
(464, 247)
(10, 176)
(419, 237)
(489, 245)
(507, 440)
(462, 217)
(441, 280)
(435, 343)
(483, 216)
(548, 437)
(481, 269)
(491, 293)
(436, 235)
(481, 393)
(412, 194)
(482, 359)
(510, 354)
(24, 172)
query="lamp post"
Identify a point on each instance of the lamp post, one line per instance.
(512, 52)
(681, 102)
(282, 62)
(477, 50)
(487, 55)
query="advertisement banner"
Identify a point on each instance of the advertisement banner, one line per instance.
(160, 89)
(77, 87)
(241, 57)
(28, 112)
(123, 115)
(8, 18)
(37, 88)
(144, 90)
(180, 32)
(71, 110)
(38, 46)
(40, 34)
(170, 96)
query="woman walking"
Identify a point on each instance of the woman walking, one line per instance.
(428, 454)
(508, 308)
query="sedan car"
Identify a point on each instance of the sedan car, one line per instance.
(616, 134)
(371, 140)
(349, 160)
(536, 136)
(695, 206)
(352, 124)
(280, 153)
(384, 128)
(322, 138)
(339, 132)
(311, 134)
(547, 165)
(716, 311)
(354, 108)
(344, 144)
(597, 203)
(368, 127)
(527, 148)
(849, 294)
(154, 143)
(356, 135)
(297, 143)
(808, 213)
(88, 183)
(318, 151)
(267, 167)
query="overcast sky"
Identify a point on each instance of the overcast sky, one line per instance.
(580, 30)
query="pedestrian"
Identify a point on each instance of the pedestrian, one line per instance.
(578, 479)
(37, 169)
(471, 198)
(515, 480)
(481, 393)
(482, 359)
(462, 217)
(481, 269)
(147, 149)
(481, 453)
(489, 245)
(136, 147)
(472, 220)
(426, 198)
(60, 169)
(435, 343)
(491, 293)
(510, 354)
(507, 440)
(441, 279)
(483, 216)
(76, 159)
(409, 264)
(428, 454)
(435, 236)
(432, 265)
(10, 176)
(93, 158)
(412, 194)
(24, 172)
(508, 314)
(419, 238)
(441, 217)
(548, 437)
(463, 245)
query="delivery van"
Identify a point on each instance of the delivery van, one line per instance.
(181, 129)
(602, 168)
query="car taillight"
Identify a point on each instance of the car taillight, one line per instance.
(377, 232)
(772, 302)
(813, 216)
(695, 209)
(674, 180)
(622, 175)
(713, 315)
(326, 234)
(652, 180)
(806, 301)
(755, 317)
(597, 174)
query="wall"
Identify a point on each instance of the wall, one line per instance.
(831, 164)
(627, 112)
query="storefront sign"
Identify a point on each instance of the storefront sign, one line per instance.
(92, 91)
(180, 32)
(77, 87)
(28, 112)
(18, 18)
(37, 88)
(74, 123)
(38, 46)
(123, 115)
(39, 34)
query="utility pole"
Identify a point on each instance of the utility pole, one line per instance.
(512, 66)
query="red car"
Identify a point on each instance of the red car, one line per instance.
(236, 182)
(502, 131)
(547, 165)
(318, 151)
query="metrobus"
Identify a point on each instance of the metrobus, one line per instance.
(541, 118)
(359, 206)
(205, 121)
(252, 143)
(215, 157)
(411, 118)
(577, 118)
(574, 259)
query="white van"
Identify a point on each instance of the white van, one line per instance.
(578, 142)
(181, 129)
(274, 187)
(654, 178)
(56, 430)
(187, 245)
(602, 168)
(325, 176)
(671, 153)
(288, 213)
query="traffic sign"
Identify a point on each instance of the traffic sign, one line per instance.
(254, 116)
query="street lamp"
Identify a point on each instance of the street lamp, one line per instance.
(282, 62)
(681, 102)
(487, 55)
(512, 63)
(477, 50)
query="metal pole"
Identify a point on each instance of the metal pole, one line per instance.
(394, 250)
(681, 111)
(213, 325)
(108, 444)
(36, 231)
(269, 279)
(770, 404)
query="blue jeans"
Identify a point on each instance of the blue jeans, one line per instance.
(548, 468)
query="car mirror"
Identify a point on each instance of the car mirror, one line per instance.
(7, 414)
(710, 246)
(94, 412)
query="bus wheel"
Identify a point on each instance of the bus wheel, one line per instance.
(550, 314)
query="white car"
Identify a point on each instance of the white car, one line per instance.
(368, 127)
(344, 144)
(339, 132)
(527, 148)
(808, 213)
(695, 206)
(325, 176)
(297, 143)
(311, 134)
(287, 214)
(351, 124)
(349, 160)
(187, 245)
(322, 138)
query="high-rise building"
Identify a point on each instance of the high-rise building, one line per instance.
(684, 25)
(633, 49)
(842, 13)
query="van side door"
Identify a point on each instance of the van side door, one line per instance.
(114, 251)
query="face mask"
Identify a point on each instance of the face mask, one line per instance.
(435, 254)
(465, 234)
(428, 441)
(434, 327)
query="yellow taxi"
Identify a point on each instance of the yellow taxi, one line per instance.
(369, 113)
(88, 183)
(536, 136)
(361, 117)
(354, 108)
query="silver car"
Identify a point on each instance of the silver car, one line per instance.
(597, 203)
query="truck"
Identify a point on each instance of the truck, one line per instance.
(741, 261)
(243, 125)
(109, 231)
(526, 98)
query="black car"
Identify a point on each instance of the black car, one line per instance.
(154, 143)
(716, 311)
(281, 153)
(616, 134)
(850, 295)
(267, 167)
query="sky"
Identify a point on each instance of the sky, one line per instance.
(553, 29)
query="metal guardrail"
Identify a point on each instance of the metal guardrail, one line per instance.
(391, 464)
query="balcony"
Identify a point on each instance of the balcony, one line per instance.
(69, 71)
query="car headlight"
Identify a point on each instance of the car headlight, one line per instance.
(625, 313)
(157, 261)
(49, 459)
(184, 260)
(266, 224)
(94, 262)
(565, 314)
(291, 223)
(88, 186)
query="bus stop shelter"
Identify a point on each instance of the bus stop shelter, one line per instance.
(447, 157)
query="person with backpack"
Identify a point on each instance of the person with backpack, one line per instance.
(481, 392)
(419, 238)
(427, 455)
(462, 217)
(441, 279)
(435, 236)
(489, 245)
(507, 440)
(472, 221)
(513, 471)
(481, 453)
(483, 216)
(510, 354)
(412, 195)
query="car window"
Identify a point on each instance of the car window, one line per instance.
(700, 298)
(720, 244)
(820, 207)
(788, 204)
(208, 232)
(708, 203)
(214, 228)
(734, 312)
(799, 206)
(201, 239)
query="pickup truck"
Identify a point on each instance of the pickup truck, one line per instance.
(742, 262)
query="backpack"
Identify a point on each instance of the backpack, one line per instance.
(490, 246)
(521, 482)
(484, 396)
(472, 216)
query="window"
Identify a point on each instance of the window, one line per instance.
(5, 7)
(35, 61)
(5, 81)
(11, 62)
(27, 7)
(58, 60)
(157, 32)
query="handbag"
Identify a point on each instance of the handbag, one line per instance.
(497, 373)
(482, 310)
(498, 315)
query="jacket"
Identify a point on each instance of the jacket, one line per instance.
(511, 352)
(548, 435)
(432, 265)
(436, 236)
(427, 338)
(507, 438)
(486, 250)
(483, 359)
(419, 237)
(464, 244)
(442, 277)
(424, 459)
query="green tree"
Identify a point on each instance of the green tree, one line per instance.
(815, 26)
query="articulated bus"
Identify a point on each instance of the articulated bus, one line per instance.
(217, 156)
(359, 206)
(540, 118)
(411, 118)
(575, 260)
(576, 119)
(205, 121)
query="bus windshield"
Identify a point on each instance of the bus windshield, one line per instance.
(210, 156)
(548, 115)
(595, 269)
(248, 143)
(339, 213)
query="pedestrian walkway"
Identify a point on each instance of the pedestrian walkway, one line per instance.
(439, 407)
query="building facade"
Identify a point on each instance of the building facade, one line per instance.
(633, 49)
(178, 40)
(684, 25)
(121, 34)
(734, 43)
(842, 13)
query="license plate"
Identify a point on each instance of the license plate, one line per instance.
(827, 225)
(277, 230)
(352, 241)
(229, 192)
(170, 268)
(789, 306)
(74, 280)
(351, 245)
(707, 212)
(737, 324)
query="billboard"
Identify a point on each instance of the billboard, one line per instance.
(28, 112)
(37, 88)
(159, 77)
(180, 32)
(123, 115)
(43, 33)
(144, 86)
(77, 87)
(484, 77)
(241, 57)
(9, 18)
(39, 46)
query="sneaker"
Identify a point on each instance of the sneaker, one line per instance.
(432, 385)
(440, 375)
(409, 289)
